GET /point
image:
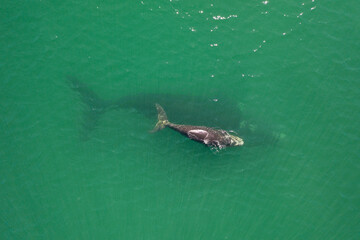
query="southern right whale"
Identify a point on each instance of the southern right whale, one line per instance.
(201, 111)
(215, 138)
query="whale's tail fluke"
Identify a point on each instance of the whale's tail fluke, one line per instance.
(94, 106)
(162, 119)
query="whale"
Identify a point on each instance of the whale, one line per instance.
(219, 112)
(214, 138)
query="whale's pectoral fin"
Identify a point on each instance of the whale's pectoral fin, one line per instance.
(198, 135)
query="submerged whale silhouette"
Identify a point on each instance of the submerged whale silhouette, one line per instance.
(222, 113)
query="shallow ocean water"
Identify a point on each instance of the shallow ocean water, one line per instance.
(290, 69)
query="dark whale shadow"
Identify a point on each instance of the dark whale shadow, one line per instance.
(218, 113)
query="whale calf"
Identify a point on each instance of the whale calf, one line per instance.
(216, 138)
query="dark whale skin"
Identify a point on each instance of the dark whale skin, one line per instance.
(216, 138)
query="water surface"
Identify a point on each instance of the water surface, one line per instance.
(290, 69)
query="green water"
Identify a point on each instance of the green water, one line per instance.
(291, 67)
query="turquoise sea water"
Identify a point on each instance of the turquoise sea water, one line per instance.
(288, 69)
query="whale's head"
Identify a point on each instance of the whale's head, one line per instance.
(236, 141)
